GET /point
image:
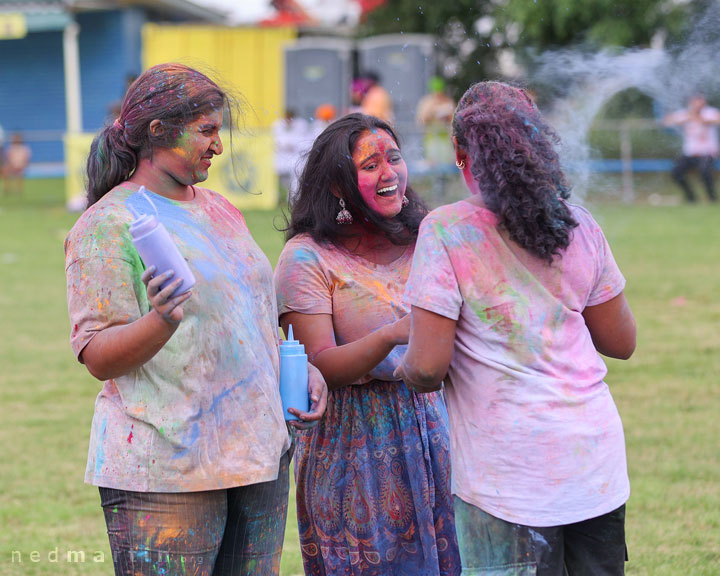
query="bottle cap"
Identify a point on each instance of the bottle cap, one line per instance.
(291, 347)
(143, 223)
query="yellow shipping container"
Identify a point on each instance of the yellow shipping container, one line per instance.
(249, 62)
(245, 60)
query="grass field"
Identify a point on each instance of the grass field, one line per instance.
(668, 394)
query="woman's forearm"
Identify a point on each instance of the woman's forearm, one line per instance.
(431, 347)
(346, 364)
(117, 350)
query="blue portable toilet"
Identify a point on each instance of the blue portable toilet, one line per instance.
(404, 64)
(318, 70)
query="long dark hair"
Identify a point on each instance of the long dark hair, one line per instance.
(330, 167)
(173, 93)
(516, 166)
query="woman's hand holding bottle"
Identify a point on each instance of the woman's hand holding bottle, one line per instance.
(318, 391)
(169, 309)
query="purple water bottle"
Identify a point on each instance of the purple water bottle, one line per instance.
(293, 376)
(157, 248)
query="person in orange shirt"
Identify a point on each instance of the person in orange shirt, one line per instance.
(377, 101)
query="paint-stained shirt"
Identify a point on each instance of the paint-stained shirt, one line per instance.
(361, 296)
(204, 413)
(536, 438)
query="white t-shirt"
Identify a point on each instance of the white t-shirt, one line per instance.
(293, 138)
(700, 137)
(536, 438)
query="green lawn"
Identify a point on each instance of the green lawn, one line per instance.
(667, 393)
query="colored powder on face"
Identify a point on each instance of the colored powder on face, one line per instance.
(182, 140)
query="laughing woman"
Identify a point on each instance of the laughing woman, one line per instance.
(373, 482)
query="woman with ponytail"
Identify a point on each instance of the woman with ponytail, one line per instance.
(514, 295)
(189, 445)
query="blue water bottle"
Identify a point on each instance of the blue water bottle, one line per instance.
(293, 376)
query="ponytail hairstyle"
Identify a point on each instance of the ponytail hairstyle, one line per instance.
(174, 94)
(513, 159)
(329, 168)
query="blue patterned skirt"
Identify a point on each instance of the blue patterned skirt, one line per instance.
(373, 485)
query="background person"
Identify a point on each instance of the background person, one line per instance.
(292, 137)
(514, 292)
(373, 483)
(698, 123)
(2, 151)
(376, 100)
(358, 88)
(324, 115)
(436, 107)
(189, 446)
(434, 114)
(15, 164)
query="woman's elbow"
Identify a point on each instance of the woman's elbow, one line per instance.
(621, 348)
(628, 348)
(97, 370)
(424, 378)
(623, 353)
(95, 364)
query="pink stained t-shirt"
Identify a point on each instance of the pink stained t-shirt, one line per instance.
(361, 296)
(536, 438)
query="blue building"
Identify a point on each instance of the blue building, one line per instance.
(65, 64)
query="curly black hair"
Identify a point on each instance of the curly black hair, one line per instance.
(330, 168)
(512, 157)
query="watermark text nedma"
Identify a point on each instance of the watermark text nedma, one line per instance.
(56, 556)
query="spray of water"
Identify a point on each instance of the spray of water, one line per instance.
(581, 83)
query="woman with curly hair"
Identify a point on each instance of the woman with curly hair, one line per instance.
(514, 292)
(373, 477)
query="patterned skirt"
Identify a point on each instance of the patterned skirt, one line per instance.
(373, 485)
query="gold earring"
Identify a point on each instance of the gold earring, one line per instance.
(460, 164)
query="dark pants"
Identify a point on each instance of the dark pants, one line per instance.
(491, 546)
(238, 531)
(704, 165)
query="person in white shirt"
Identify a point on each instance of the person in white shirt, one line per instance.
(293, 136)
(700, 144)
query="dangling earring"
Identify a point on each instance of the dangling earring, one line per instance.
(344, 216)
(405, 201)
(460, 164)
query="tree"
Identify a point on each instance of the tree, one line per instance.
(473, 34)
(545, 24)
